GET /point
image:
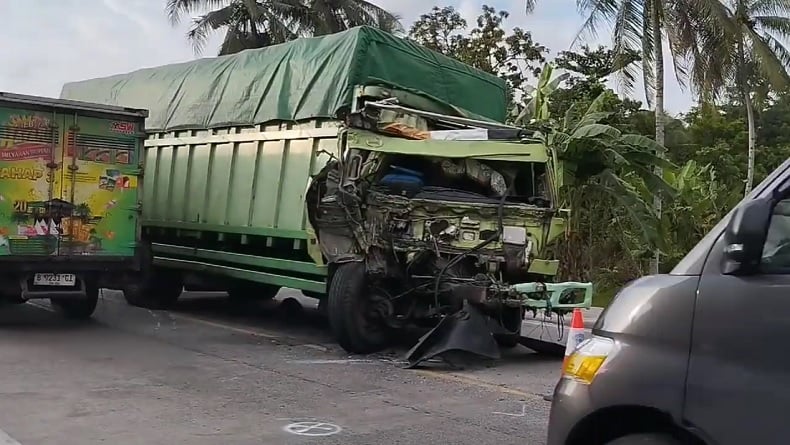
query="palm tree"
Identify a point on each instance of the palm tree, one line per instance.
(331, 16)
(248, 24)
(259, 23)
(740, 44)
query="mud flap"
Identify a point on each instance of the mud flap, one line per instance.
(467, 330)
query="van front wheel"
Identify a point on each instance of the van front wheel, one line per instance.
(352, 313)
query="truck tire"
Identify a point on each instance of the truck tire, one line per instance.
(511, 319)
(645, 439)
(347, 310)
(159, 292)
(77, 309)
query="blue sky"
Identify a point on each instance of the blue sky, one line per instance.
(48, 42)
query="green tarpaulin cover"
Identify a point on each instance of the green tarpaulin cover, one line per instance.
(303, 79)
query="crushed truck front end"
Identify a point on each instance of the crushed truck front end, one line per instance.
(428, 219)
(68, 199)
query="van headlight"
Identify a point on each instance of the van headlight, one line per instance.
(584, 363)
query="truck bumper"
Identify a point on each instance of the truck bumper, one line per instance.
(29, 292)
(17, 273)
(68, 264)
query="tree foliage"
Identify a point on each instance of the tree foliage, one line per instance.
(740, 46)
(258, 23)
(512, 55)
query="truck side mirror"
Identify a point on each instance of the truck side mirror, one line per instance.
(745, 236)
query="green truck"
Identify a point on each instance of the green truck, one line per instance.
(359, 168)
(69, 206)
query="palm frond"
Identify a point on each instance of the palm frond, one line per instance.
(772, 64)
(238, 39)
(334, 16)
(648, 42)
(774, 24)
(175, 8)
(714, 13)
(204, 25)
(596, 12)
(768, 7)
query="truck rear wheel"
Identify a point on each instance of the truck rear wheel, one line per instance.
(78, 309)
(350, 312)
(160, 291)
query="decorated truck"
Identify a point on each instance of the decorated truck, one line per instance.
(68, 200)
(359, 168)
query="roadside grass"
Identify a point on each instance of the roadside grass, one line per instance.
(604, 295)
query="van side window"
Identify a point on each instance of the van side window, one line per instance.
(776, 251)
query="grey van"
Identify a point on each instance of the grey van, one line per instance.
(695, 356)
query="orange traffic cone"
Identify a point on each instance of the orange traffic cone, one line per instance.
(575, 335)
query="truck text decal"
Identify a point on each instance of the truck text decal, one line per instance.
(122, 127)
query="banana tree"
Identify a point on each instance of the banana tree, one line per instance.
(593, 157)
(535, 107)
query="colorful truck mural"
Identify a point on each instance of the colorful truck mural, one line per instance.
(68, 191)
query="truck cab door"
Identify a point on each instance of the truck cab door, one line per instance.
(737, 389)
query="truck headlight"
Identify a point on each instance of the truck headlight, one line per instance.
(514, 235)
(584, 363)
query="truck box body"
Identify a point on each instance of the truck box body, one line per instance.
(234, 140)
(69, 200)
(68, 181)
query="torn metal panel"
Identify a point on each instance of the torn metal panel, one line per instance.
(487, 150)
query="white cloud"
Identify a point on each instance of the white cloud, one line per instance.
(47, 43)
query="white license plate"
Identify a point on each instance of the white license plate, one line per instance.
(54, 279)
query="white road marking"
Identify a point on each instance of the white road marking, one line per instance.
(523, 412)
(313, 429)
(5, 439)
(332, 362)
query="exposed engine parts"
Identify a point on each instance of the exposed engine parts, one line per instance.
(443, 226)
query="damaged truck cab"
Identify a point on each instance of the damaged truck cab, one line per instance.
(428, 219)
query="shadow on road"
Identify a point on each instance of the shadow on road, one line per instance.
(26, 317)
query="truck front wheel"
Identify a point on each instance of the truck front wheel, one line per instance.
(351, 312)
(78, 309)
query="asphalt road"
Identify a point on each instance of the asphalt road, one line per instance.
(210, 373)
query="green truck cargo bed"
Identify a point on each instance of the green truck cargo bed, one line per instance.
(304, 79)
